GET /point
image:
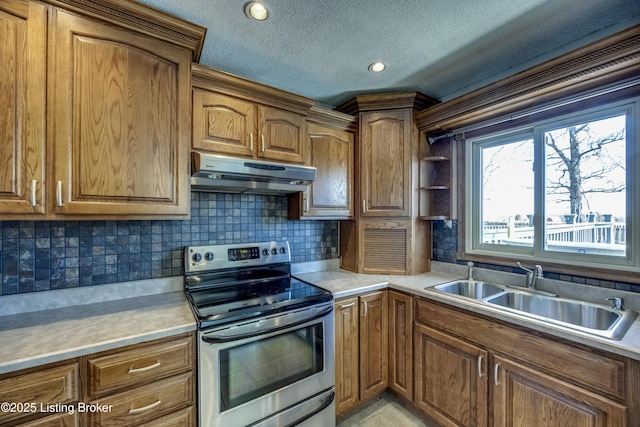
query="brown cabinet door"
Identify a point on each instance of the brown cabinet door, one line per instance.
(401, 344)
(524, 397)
(374, 344)
(120, 119)
(450, 379)
(331, 153)
(385, 161)
(346, 354)
(22, 100)
(281, 135)
(224, 125)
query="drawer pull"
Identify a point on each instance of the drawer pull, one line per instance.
(495, 374)
(145, 369)
(351, 304)
(480, 373)
(144, 408)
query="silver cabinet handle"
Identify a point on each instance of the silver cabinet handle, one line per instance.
(32, 193)
(251, 142)
(145, 369)
(144, 408)
(262, 135)
(365, 309)
(59, 193)
(480, 373)
(495, 374)
(364, 205)
(306, 204)
(351, 304)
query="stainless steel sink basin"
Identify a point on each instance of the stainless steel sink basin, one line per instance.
(592, 318)
(470, 289)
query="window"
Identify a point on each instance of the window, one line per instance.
(563, 190)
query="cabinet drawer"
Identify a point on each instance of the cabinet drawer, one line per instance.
(49, 386)
(146, 403)
(606, 374)
(133, 367)
(184, 418)
(58, 420)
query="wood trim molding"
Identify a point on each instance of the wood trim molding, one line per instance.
(141, 18)
(600, 63)
(206, 78)
(332, 118)
(386, 101)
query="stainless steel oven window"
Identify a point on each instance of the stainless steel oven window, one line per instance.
(256, 368)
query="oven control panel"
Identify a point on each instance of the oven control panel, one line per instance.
(216, 257)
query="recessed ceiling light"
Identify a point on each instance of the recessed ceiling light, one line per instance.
(377, 67)
(256, 10)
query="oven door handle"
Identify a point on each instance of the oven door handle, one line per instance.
(212, 339)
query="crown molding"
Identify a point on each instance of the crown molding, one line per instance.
(141, 18)
(600, 63)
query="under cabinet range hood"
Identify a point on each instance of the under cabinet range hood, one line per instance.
(214, 172)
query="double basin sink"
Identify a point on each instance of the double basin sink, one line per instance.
(582, 316)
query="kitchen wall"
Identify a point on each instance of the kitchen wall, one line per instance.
(45, 255)
(445, 246)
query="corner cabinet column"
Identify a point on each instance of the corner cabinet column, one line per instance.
(385, 235)
(119, 120)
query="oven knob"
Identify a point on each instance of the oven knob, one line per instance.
(208, 256)
(265, 252)
(283, 250)
(274, 251)
(197, 257)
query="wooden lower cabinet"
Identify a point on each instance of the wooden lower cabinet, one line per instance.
(524, 397)
(146, 384)
(361, 337)
(451, 379)
(374, 344)
(401, 344)
(347, 354)
(473, 371)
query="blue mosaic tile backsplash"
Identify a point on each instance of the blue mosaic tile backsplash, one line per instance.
(445, 247)
(45, 255)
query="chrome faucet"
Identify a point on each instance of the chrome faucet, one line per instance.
(532, 276)
(470, 267)
(617, 303)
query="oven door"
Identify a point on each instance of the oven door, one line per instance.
(251, 371)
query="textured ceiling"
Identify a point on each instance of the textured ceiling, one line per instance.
(444, 48)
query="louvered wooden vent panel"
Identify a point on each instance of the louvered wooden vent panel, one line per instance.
(385, 250)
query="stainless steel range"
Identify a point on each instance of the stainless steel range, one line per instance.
(265, 339)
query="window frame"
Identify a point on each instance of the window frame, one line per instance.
(597, 266)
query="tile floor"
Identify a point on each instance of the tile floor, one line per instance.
(384, 411)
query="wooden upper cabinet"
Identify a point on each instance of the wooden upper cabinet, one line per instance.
(330, 196)
(385, 162)
(120, 105)
(226, 125)
(23, 107)
(237, 117)
(223, 124)
(282, 135)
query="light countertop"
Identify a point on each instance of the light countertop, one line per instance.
(343, 283)
(40, 337)
(52, 332)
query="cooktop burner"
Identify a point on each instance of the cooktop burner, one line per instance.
(229, 283)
